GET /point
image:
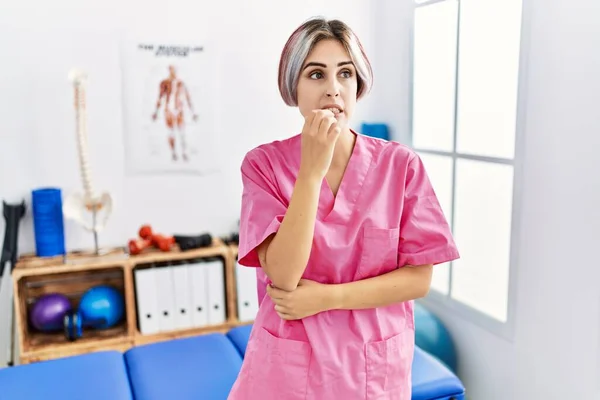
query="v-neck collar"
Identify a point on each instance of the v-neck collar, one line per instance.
(338, 208)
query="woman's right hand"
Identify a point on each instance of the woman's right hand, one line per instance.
(319, 136)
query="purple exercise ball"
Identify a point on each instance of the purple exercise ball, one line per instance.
(48, 311)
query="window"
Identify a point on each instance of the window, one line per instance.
(464, 119)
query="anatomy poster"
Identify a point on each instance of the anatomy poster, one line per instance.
(168, 107)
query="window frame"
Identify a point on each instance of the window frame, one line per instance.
(445, 303)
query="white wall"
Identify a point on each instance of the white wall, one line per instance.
(42, 41)
(554, 353)
(391, 97)
(38, 118)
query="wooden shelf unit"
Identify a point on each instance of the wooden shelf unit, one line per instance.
(33, 277)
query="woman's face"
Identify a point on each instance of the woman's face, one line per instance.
(328, 80)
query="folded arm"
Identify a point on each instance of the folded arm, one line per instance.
(310, 297)
(403, 284)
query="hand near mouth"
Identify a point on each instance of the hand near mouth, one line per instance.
(319, 136)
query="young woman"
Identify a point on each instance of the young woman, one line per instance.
(344, 231)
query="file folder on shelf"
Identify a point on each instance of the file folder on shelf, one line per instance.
(147, 306)
(165, 295)
(183, 296)
(199, 293)
(247, 296)
(215, 273)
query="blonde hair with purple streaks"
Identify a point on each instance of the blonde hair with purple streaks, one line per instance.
(300, 44)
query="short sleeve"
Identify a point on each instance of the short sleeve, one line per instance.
(262, 209)
(425, 235)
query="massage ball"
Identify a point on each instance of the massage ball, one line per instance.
(432, 336)
(47, 312)
(101, 307)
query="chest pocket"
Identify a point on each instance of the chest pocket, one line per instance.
(379, 251)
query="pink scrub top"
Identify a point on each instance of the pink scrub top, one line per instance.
(385, 215)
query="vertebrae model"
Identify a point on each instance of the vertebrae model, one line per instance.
(76, 203)
(79, 80)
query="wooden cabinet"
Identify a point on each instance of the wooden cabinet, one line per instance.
(74, 274)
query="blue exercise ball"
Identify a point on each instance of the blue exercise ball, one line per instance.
(432, 336)
(101, 307)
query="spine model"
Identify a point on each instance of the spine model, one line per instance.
(76, 204)
(79, 80)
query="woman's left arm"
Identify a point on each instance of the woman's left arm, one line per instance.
(402, 284)
(310, 297)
